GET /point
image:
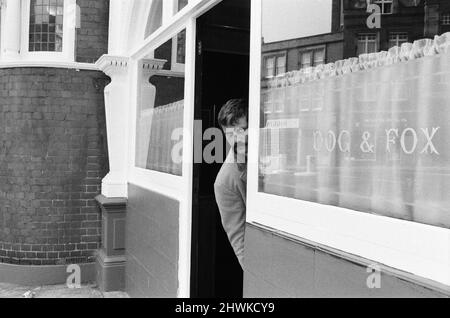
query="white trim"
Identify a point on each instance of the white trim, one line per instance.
(168, 10)
(172, 26)
(175, 187)
(411, 247)
(11, 29)
(184, 264)
(2, 19)
(167, 184)
(49, 64)
(69, 23)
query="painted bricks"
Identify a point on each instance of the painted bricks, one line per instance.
(52, 160)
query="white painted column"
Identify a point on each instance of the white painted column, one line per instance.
(11, 29)
(117, 110)
(114, 185)
(118, 11)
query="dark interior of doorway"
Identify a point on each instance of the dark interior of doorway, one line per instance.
(222, 73)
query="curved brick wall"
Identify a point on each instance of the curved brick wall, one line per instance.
(52, 160)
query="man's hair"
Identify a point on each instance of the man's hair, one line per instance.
(232, 111)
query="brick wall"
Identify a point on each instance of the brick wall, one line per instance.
(52, 160)
(92, 37)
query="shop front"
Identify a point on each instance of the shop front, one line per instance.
(348, 161)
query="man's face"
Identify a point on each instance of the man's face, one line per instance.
(237, 136)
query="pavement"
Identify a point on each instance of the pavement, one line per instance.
(57, 291)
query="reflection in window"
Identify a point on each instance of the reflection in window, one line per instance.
(445, 19)
(155, 17)
(46, 25)
(367, 43)
(397, 38)
(270, 66)
(182, 4)
(363, 132)
(355, 4)
(386, 6)
(160, 117)
(313, 57)
(281, 65)
(275, 65)
(181, 47)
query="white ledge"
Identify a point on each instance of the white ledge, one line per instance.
(49, 64)
(170, 73)
(111, 64)
(153, 64)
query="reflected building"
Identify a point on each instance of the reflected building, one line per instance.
(401, 21)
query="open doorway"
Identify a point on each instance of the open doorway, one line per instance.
(222, 73)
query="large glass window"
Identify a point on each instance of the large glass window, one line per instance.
(367, 132)
(160, 113)
(46, 25)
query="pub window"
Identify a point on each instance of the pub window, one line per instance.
(46, 25)
(368, 133)
(397, 38)
(367, 43)
(445, 19)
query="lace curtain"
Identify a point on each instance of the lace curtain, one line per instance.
(370, 134)
(156, 126)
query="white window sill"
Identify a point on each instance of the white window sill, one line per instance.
(49, 64)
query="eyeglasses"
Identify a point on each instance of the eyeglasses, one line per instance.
(235, 131)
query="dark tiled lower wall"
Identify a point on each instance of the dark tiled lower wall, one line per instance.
(281, 267)
(151, 244)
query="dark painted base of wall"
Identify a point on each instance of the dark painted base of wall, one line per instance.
(152, 235)
(110, 261)
(43, 275)
(280, 266)
(110, 273)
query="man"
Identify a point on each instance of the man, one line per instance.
(231, 182)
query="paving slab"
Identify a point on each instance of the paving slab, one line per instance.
(57, 291)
